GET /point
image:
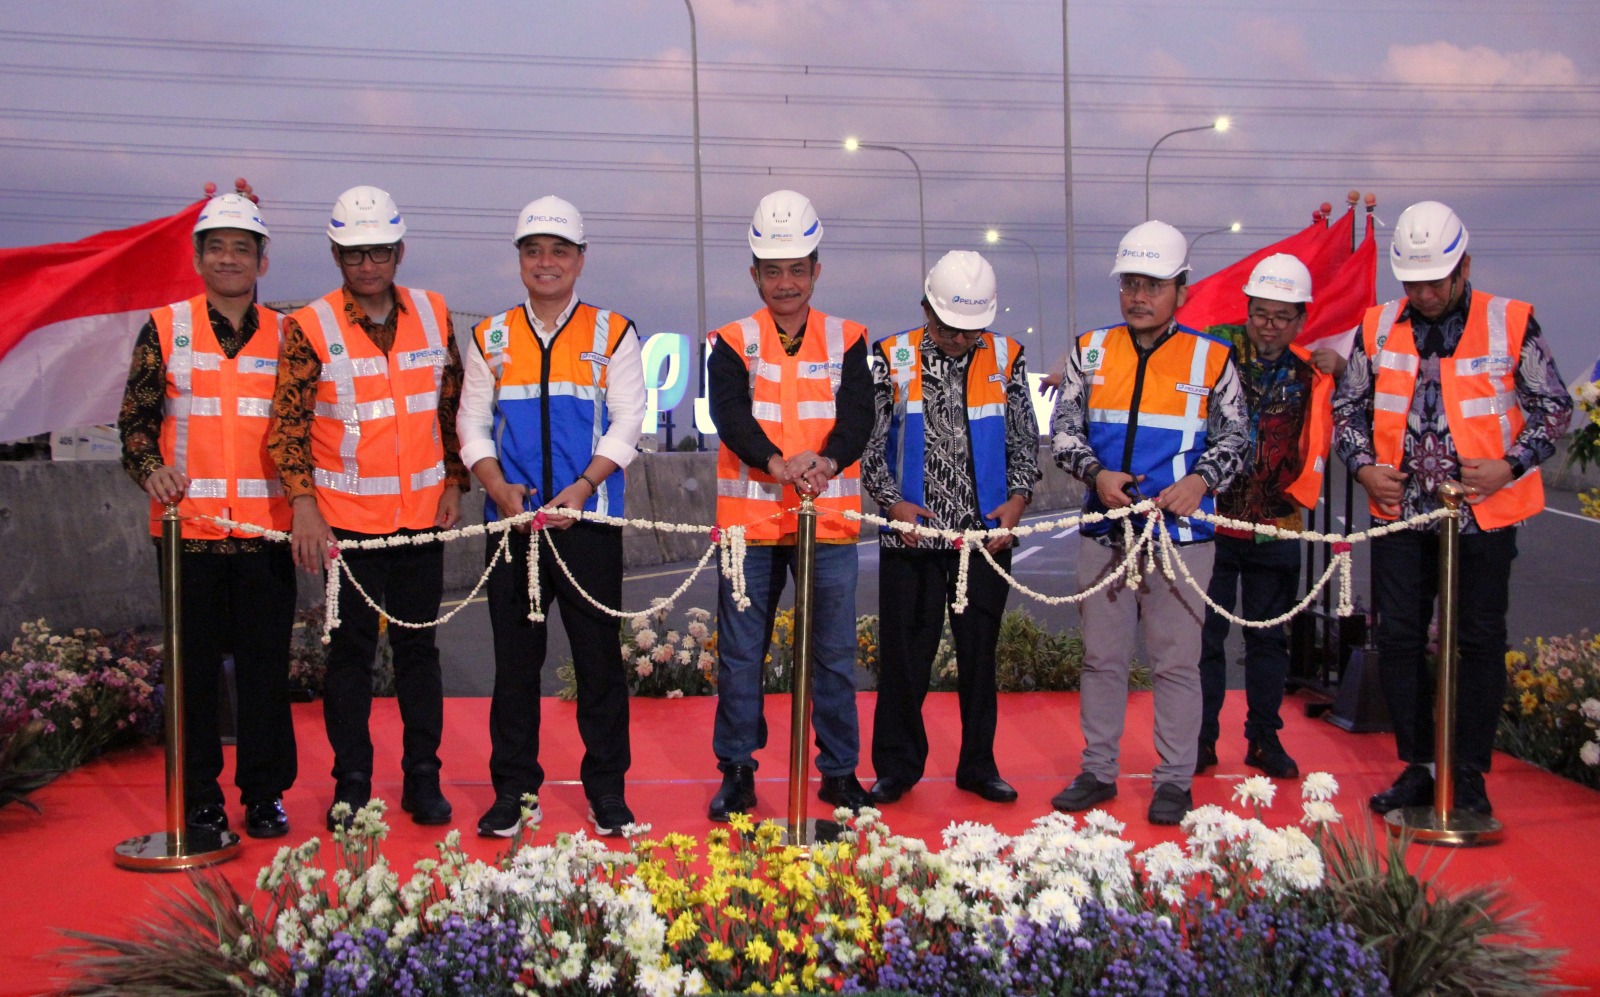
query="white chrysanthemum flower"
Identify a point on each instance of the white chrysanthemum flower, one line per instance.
(1589, 754)
(1256, 789)
(1319, 813)
(698, 630)
(1591, 709)
(645, 639)
(601, 976)
(1319, 786)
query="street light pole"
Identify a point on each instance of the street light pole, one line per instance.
(1235, 228)
(1220, 125)
(992, 237)
(699, 218)
(852, 144)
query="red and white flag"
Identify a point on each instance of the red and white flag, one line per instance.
(1338, 303)
(1219, 298)
(72, 312)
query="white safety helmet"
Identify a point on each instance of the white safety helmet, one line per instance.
(1429, 241)
(550, 215)
(785, 227)
(1154, 249)
(231, 211)
(961, 290)
(366, 216)
(1280, 277)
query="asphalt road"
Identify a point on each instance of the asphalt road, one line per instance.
(1554, 589)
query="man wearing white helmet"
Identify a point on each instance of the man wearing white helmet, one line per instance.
(791, 396)
(1148, 409)
(182, 444)
(954, 446)
(1287, 396)
(364, 436)
(1446, 384)
(551, 412)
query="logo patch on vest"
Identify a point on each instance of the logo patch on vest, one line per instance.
(1092, 358)
(182, 340)
(902, 356)
(599, 358)
(263, 364)
(997, 377)
(751, 349)
(1492, 365)
(336, 349)
(434, 357)
(1194, 389)
(496, 337)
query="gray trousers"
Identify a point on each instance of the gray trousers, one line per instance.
(1172, 614)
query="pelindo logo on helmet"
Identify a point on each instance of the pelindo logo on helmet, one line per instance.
(557, 219)
(1142, 254)
(956, 299)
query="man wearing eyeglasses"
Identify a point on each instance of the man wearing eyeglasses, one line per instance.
(1148, 409)
(1287, 391)
(954, 446)
(1447, 383)
(364, 437)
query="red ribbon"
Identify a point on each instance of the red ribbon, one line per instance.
(716, 534)
(538, 520)
(1342, 547)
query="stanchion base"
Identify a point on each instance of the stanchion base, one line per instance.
(1457, 829)
(159, 852)
(817, 831)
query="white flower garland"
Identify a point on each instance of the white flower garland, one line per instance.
(731, 542)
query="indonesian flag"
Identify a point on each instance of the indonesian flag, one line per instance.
(1334, 316)
(72, 312)
(1219, 299)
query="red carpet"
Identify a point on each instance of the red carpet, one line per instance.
(59, 872)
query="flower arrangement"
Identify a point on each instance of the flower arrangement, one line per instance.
(1583, 450)
(1551, 714)
(65, 698)
(1239, 907)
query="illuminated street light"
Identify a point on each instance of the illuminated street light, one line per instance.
(993, 237)
(1220, 125)
(1233, 229)
(852, 144)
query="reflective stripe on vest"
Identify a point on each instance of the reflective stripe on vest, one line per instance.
(574, 393)
(220, 447)
(796, 410)
(1477, 387)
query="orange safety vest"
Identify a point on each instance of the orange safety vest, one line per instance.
(376, 450)
(215, 429)
(1479, 389)
(793, 398)
(1316, 436)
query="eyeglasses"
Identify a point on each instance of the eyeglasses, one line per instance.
(1266, 321)
(351, 256)
(1132, 285)
(940, 329)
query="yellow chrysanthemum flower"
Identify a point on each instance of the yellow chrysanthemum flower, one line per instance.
(719, 952)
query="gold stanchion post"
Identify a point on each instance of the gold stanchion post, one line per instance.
(1442, 823)
(802, 831)
(178, 847)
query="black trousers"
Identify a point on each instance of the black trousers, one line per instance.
(593, 552)
(915, 587)
(1268, 574)
(408, 582)
(243, 604)
(1405, 572)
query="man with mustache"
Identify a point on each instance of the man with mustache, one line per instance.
(1148, 409)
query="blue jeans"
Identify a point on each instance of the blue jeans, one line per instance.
(742, 642)
(1269, 576)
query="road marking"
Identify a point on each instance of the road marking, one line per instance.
(1571, 515)
(1024, 554)
(1069, 531)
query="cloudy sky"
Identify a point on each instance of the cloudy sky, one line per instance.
(117, 112)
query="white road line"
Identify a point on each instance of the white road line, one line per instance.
(1023, 555)
(1571, 515)
(1069, 531)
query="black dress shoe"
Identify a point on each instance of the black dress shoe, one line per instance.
(266, 819)
(1471, 794)
(1084, 792)
(737, 794)
(1205, 757)
(1414, 788)
(844, 791)
(207, 817)
(420, 797)
(889, 789)
(994, 789)
(354, 788)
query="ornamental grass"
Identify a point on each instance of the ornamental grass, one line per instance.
(1067, 907)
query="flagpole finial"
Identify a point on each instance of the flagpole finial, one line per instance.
(1352, 198)
(1372, 200)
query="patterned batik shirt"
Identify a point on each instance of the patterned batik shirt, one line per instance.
(951, 494)
(1429, 452)
(1276, 394)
